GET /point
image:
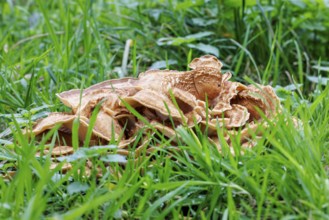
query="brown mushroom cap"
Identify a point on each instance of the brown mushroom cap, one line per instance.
(207, 61)
(256, 99)
(166, 99)
(58, 151)
(238, 116)
(203, 81)
(185, 100)
(82, 101)
(156, 101)
(104, 126)
(229, 90)
(168, 131)
(50, 122)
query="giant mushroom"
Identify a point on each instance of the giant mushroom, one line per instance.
(203, 96)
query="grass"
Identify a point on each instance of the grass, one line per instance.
(59, 45)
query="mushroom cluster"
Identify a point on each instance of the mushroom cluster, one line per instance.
(120, 110)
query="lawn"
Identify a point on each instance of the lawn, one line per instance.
(47, 47)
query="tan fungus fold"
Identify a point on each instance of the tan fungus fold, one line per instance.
(166, 99)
